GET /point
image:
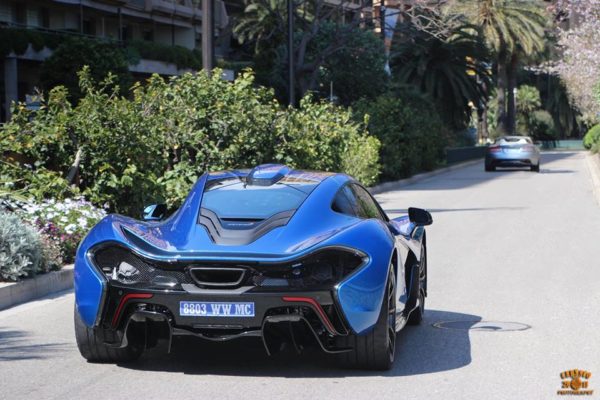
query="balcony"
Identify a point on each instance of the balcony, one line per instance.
(182, 8)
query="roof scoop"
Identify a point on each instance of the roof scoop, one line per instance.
(267, 174)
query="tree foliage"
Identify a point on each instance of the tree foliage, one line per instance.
(73, 54)
(439, 66)
(514, 31)
(579, 42)
(411, 140)
(152, 147)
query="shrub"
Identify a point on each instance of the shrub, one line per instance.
(181, 56)
(410, 131)
(20, 248)
(592, 137)
(152, 147)
(541, 125)
(322, 136)
(51, 253)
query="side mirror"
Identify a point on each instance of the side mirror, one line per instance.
(419, 216)
(154, 212)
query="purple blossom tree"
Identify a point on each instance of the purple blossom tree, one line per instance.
(579, 42)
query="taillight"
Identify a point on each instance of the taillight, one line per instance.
(495, 149)
(325, 267)
(528, 147)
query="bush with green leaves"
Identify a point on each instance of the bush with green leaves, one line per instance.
(412, 140)
(541, 126)
(152, 146)
(20, 248)
(178, 55)
(592, 137)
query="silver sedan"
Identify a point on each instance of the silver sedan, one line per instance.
(512, 151)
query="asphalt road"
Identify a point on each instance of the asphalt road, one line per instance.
(509, 246)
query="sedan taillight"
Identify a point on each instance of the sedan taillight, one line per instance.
(495, 149)
(528, 147)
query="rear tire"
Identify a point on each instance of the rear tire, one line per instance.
(376, 349)
(489, 167)
(535, 168)
(90, 342)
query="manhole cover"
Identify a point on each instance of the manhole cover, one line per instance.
(482, 326)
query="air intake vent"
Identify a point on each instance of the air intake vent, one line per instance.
(217, 277)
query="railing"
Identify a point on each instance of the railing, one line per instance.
(57, 32)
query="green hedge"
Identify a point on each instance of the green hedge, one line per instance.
(151, 146)
(178, 55)
(592, 137)
(17, 40)
(410, 130)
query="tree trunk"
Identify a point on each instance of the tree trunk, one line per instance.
(511, 105)
(501, 95)
(484, 124)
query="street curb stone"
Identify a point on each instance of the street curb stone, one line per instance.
(593, 163)
(15, 293)
(395, 185)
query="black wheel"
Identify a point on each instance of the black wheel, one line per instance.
(90, 343)
(535, 168)
(416, 316)
(489, 167)
(376, 349)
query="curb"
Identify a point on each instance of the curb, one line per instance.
(15, 293)
(593, 163)
(395, 185)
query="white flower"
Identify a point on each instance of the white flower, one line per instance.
(70, 229)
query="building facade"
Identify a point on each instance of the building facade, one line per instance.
(160, 22)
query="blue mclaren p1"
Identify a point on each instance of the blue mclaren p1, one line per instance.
(290, 257)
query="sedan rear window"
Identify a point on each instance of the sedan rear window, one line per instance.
(511, 140)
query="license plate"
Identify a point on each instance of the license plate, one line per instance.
(213, 309)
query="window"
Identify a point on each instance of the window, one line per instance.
(234, 199)
(44, 17)
(367, 207)
(345, 202)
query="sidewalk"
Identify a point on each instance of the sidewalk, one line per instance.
(593, 163)
(13, 293)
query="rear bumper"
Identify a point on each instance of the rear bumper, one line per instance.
(522, 159)
(123, 301)
(314, 312)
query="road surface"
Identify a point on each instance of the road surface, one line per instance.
(509, 246)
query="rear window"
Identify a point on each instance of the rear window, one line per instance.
(234, 199)
(514, 140)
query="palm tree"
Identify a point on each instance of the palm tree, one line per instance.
(513, 30)
(447, 69)
(263, 21)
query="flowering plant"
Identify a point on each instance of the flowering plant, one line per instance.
(66, 222)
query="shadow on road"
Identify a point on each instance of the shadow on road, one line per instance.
(15, 345)
(420, 350)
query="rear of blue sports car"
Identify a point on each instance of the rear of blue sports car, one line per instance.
(228, 264)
